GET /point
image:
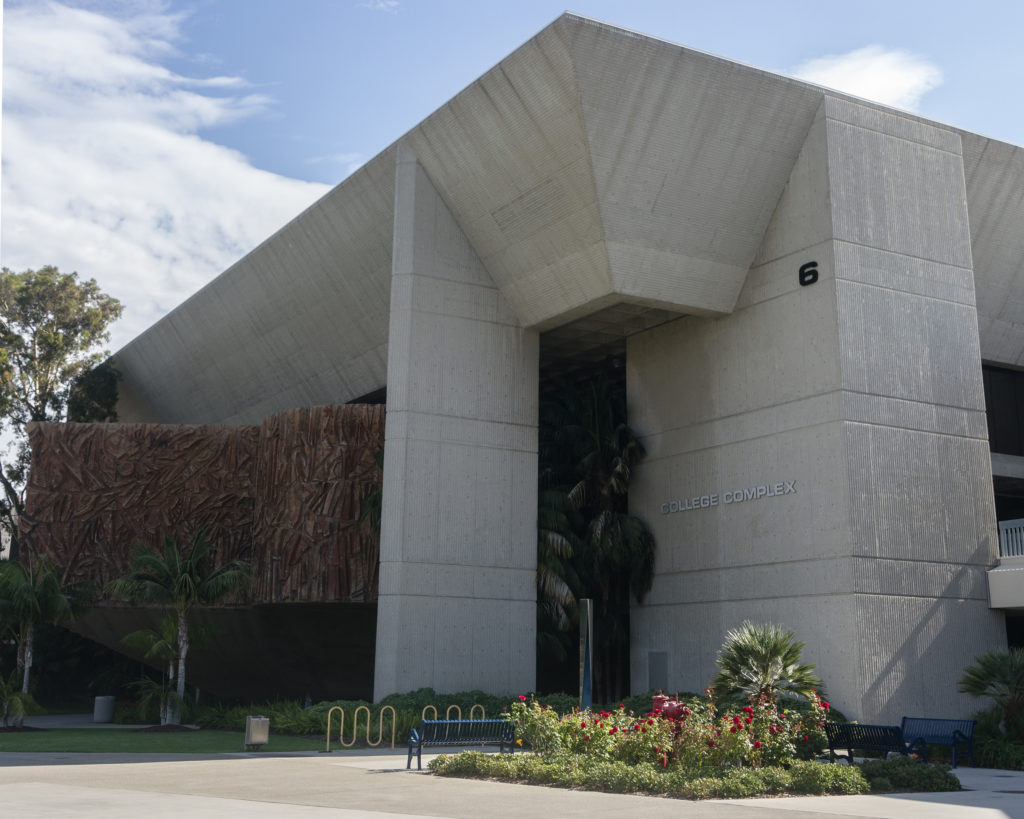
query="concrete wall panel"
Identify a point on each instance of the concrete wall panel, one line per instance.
(458, 535)
(914, 649)
(864, 387)
(300, 321)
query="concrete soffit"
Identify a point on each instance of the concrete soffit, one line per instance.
(594, 166)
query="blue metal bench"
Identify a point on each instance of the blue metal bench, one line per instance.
(460, 732)
(883, 738)
(951, 732)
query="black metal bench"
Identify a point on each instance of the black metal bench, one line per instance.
(883, 738)
(951, 732)
(460, 732)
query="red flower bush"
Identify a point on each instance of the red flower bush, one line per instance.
(704, 735)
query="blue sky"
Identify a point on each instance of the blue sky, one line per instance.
(150, 144)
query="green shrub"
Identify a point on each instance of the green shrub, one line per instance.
(999, 674)
(818, 778)
(999, 752)
(290, 717)
(559, 703)
(705, 736)
(576, 771)
(906, 774)
(992, 747)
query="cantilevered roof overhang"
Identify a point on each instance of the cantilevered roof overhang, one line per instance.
(592, 166)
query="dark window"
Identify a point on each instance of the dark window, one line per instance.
(1004, 400)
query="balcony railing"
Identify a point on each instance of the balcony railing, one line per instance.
(1011, 538)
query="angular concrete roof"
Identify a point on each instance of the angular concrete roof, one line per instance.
(592, 166)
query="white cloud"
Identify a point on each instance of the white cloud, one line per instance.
(390, 6)
(103, 170)
(348, 163)
(889, 76)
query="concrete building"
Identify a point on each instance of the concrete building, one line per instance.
(808, 287)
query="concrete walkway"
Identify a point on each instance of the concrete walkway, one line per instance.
(353, 784)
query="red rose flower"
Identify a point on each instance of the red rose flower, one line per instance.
(757, 743)
(806, 738)
(522, 698)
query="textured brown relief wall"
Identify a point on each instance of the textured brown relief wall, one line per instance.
(284, 496)
(316, 467)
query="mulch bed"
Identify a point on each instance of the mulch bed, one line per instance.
(165, 729)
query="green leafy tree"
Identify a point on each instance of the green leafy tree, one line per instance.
(29, 596)
(179, 582)
(763, 661)
(999, 674)
(52, 325)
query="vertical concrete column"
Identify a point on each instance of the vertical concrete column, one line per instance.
(922, 514)
(744, 414)
(849, 374)
(457, 599)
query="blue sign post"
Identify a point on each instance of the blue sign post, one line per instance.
(586, 654)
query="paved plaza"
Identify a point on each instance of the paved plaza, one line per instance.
(376, 784)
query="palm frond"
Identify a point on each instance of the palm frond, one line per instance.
(763, 660)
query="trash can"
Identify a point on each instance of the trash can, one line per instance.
(103, 709)
(257, 732)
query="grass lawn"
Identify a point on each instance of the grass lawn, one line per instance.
(114, 740)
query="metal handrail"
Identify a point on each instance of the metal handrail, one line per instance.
(1011, 538)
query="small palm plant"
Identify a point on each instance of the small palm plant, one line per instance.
(999, 674)
(763, 661)
(161, 645)
(31, 595)
(179, 581)
(12, 700)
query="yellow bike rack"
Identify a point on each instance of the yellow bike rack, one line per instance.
(380, 725)
(355, 726)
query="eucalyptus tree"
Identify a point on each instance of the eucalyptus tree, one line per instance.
(52, 326)
(179, 581)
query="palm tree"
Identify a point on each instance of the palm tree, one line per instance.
(30, 596)
(12, 700)
(763, 661)
(999, 674)
(179, 582)
(587, 454)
